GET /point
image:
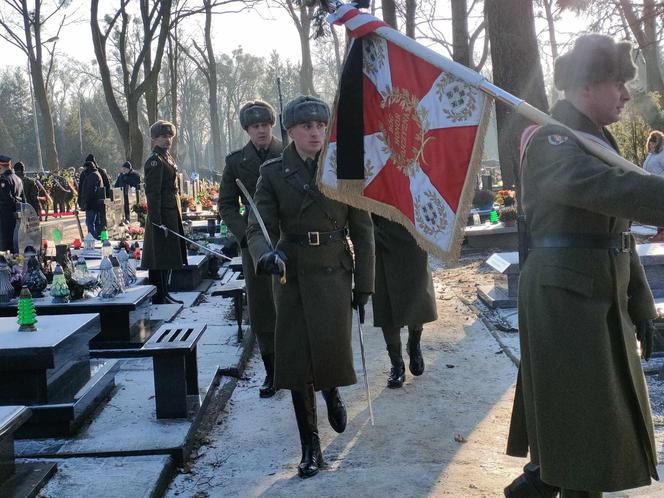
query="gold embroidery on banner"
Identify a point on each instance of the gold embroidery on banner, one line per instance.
(430, 213)
(403, 129)
(460, 95)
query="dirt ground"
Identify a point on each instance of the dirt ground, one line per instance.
(442, 434)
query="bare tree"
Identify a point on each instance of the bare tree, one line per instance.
(302, 13)
(158, 13)
(389, 9)
(517, 69)
(24, 29)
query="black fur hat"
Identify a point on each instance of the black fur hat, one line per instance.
(304, 108)
(162, 127)
(256, 111)
(593, 58)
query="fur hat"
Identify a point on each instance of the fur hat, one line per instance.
(256, 111)
(91, 158)
(127, 165)
(304, 108)
(19, 167)
(594, 58)
(162, 127)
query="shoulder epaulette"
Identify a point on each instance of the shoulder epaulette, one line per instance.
(272, 161)
(233, 153)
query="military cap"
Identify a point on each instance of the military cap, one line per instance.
(5, 159)
(304, 108)
(256, 111)
(594, 58)
(162, 127)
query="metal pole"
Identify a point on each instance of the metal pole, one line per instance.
(34, 117)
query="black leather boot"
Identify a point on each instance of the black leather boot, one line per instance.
(267, 390)
(304, 403)
(416, 364)
(398, 371)
(167, 295)
(336, 411)
(154, 277)
(529, 485)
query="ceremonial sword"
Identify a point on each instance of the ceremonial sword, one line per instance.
(360, 321)
(280, 262)
(187, 239)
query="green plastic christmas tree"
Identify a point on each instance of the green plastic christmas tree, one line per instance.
(27, 316)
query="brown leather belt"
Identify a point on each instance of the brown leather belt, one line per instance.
(621, 242)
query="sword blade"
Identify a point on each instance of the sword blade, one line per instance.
(364, 368)
(187, 239)
(252, 204)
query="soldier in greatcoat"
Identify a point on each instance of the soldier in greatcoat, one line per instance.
(581, 405)
(162, 252)
(313, 332)
(11, 194)
(404, 295)
(257, 119)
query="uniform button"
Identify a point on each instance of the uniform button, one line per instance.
(306, 186)
(287, 170)
(329, 269)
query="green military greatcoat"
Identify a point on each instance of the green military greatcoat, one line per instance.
(313, 332)
(404, 289)
(162, 252)
(587, 415)
(244, 164)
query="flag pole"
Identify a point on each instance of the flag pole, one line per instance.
(475, 79)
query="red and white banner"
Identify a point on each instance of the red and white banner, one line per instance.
(406, 136)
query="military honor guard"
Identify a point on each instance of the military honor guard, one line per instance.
(404, 296)
(11, 194)
(162, 253)
(581, 406)
(314, 273)
(257, 119)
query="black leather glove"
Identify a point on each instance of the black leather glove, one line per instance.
(359, 299)
(645, 334)
(271, 263)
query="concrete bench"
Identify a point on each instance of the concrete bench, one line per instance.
(23, 479)
(173, 351)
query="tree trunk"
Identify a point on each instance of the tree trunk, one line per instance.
(306, 67)
(152, 90)
(173, 68)
(645, 32)
(390, 12)
(46, 119)
(516, 69)
(215, 130)
(135, 134)
(460, 37)
(411, 6)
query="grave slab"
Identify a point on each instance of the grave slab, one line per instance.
(189, 277)
(490, 235)
(505, 291)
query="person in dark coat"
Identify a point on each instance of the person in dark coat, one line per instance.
(404, 295)
(108, 193)
(581, 405)
(11, 194)
(128, 178)
(30, 189)
(257, 118)
(162, 252)
(314, 317)
(90, 197)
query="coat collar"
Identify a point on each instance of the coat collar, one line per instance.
(569, 115)
(249, 150)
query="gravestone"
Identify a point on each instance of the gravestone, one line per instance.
(27, 231)
(505, 291)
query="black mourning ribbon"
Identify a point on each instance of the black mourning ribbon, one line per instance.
(350, 118)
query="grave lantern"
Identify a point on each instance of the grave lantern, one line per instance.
(117, 271)
(107, 280)
(33, 277)
(59, 288)
(27, 316)
(89, 242)
(127, 267)
(6, 288)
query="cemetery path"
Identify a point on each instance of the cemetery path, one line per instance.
(442, 434)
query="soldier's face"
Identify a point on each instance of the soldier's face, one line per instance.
(260, 134)
(607, 100)
(164, 141)
(308, 137)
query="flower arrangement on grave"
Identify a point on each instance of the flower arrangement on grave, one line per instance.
(136, 232)
(6, 289)
(508, 215)
(59, 289)
(34, 278)
(505, 198)
(141, 210)
(27, 316)
(187, 202)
